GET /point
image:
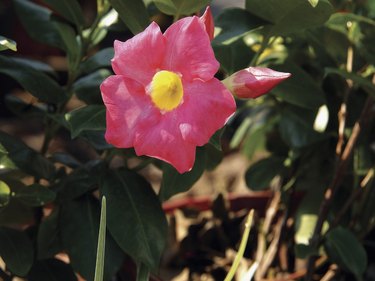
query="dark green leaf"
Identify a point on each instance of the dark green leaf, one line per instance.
(234, 23)
(6, 43)
(4, 194)
(34, 195)
(25, 158)
(180, 7)
(303, 251)
(344, 249)
(135, 217)
(299, 89)
(296, 127)
(37, 65)
(339, 21)
(290, 16)
(69, 9)
(51, 270)
(357, 79)
(213, 155)
(132, 13)
(87, 87)
(16, 250)
(96, 139)
(37, 83)
(90, 117)
(71, 43)
(99, 60)
(233, 56)
(16, 213)
(48, 237)
(261, 173)
(173, 182)
(37, 22)
(79, 225)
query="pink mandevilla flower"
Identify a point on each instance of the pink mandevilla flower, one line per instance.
(163, 99)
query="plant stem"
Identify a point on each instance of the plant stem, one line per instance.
(143, 274)
(265, 43)
(333, 187)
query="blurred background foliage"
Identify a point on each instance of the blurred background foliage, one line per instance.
(314, 132)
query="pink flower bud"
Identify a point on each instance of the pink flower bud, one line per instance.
(253, 82)
(208, 22)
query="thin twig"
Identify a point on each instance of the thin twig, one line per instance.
(336, 182)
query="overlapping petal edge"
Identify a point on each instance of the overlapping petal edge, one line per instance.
(132, 118)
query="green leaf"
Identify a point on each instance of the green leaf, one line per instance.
(233, 56)
(37, 83)
(357, 79)
(34, 195)
(51, 270)
(344, 249)
(4, 194)
(25, 158)
(79, 225)
(37, 22)
(261, 173)
(339, 21)
(173, 182)
(72, 45)
(6, 43)
(296, 127)
(37, 65)
(99, 60)
(48, 237)
(313, 2)
(132, 13)
(135, 217)
(87, 88)
(299, 89)
(16, 250)
(290, 16)
(90, 117)
(180, 7)
(235, 23)
(69, 9)
(99, 266)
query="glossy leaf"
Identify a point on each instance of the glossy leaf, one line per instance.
(261, 173)
(314, 2)
(180, 7)
(234, 23)
(37, 83)
(173, 182)
(132, 13)
(290, 16)
(25, 158)
(4, 193)
(71, 43)
(37, 22)
(135, 217)
(99, 60)
(90, 117)
(299, 89)
(345, 249)
(87, 87)
(16, 250)
(6, 43)
(51, 270)
(34, 195)
(79, 225)
(69, 9)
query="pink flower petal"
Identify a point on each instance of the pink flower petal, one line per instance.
(189, 51)
(164, 141)
(140, 57)
(208, 21)
(127, 108)
(253, 82)
(206, 108)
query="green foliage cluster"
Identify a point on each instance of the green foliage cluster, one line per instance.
(328, 46)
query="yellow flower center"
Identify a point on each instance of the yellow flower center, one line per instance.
(166, 90)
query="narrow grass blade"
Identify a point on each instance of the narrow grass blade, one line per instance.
(99, 268)
(241, 250)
